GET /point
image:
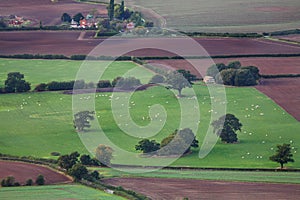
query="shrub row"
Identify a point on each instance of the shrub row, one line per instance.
(238, 35)
(286, 32)
(280, 76)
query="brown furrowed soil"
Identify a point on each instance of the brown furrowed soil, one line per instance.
(46, 11)
(285, 92)
(72, 42)
(24, 171)
(287, 65)
(157, 188)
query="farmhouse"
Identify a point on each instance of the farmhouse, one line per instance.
(209, 80)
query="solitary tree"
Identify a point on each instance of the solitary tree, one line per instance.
(15, 83)
(40, 180)
(178, 142)
(104, 154)
(283, 155)
(177, 81)
(226, 126)
(147, 146)
(82, 120)
(111, 9)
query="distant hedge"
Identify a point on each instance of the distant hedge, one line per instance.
(267, 76)
(237, 35)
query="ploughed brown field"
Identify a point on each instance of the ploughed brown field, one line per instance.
(285, 92)
(46, 11)
(76, 42)
(266, 65)
(157, 188)
(24, 171)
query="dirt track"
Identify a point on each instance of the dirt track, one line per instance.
(158, 189)
(24, 171)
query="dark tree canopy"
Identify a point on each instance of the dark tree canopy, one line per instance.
(111, 9)
(78, 171)
(82, 120)
(178, 142)
(147, 146)
(104, 154)
(226, 126)
(126, 83)
(157, 79)
(244, 77)
(283, 155)
(66, 18)
(187, 74)
(67, 161)
(15, 83)
(78, 17)
(177, 81)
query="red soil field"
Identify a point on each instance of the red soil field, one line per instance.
(24, 171)
(266, 65)
(69, 43)
(285, 92)
(157, 188)
(292, 37)
(46, 11)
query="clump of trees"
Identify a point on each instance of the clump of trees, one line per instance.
(177, 143)
(11, 182)
(75, 165)
(15, 83)
(234, 74)
(104, 154)
(226, 126)
(283, 155)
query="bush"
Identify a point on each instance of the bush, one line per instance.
(55, 153)
(8, 181)
(29, 182)
(157, 79)
(244, 77)
(40, 180)
(128, 83)
(41, 87)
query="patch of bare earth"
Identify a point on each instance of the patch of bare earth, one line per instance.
(285, 92)
(24, 171)
(46, 11)
(158, 188)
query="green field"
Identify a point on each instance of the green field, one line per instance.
(55, 192)
(224, 16)
(247, 176)
(39, 123)
(45, 71)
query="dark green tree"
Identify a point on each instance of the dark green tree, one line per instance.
(147, 146)
(128, 83)
(78, 171)
(104, 154)
(177, 81)
(111, 9)
(15, 83)
(178, 142)
(40, 180)
(254, 70)
(244, 77)
(283, 155)
(82, 120)
(104, 84)
(29, 182)
(187, 74)
(215, 69)
(66, 18)
(234, 65)
(226, 126)
(157, 79)
(67, 161)
(226, 77)
(78, 17)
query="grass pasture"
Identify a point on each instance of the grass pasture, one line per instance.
(225, 16)
(45, 71)
(54, 192)
(243, 176)
(39, 123)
